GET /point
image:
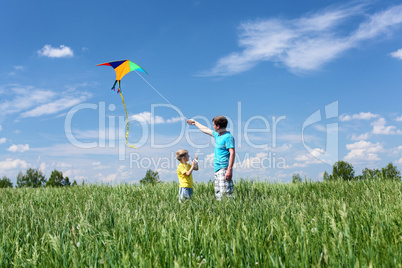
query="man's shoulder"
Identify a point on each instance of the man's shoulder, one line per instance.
(228, 135)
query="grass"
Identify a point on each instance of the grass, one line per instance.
(267, 224)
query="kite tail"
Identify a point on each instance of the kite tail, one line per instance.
(125, 109)
(114, 85)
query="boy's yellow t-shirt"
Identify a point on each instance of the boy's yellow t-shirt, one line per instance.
(185, 181)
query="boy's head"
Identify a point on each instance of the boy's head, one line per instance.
(220, 121)
(180, 154)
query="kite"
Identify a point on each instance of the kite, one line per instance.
(123, 67)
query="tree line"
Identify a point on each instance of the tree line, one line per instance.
(342, 170)
(34, 178)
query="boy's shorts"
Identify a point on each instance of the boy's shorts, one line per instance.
(223, 187)
(185, 193)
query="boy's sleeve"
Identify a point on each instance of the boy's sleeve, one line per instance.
(214, 134)
(230, 143)
(181, 169)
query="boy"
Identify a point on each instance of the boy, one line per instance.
(224, 155)
(184, 171)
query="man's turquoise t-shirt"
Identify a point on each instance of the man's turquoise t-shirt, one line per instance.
(222, 145)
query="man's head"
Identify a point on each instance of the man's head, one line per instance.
(220, 121)
(180, 154)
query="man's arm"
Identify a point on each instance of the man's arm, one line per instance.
(203, 128)
(229, 172)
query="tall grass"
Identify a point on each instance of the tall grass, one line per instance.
(320, 224)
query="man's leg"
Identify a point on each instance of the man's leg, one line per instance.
(223, 187)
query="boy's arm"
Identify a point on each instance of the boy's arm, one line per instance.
(229, 173)
(188, 173)
(203, 128)
(194, 166)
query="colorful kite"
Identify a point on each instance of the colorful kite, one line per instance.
(123, 67)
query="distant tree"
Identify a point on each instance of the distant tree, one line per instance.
(369, 174)
(327, 177)
(5, 183)
(33, 178)
(391, 172)
(57, 180)
(343, 170)
(296, 178)
(74, 183)
(151, 177)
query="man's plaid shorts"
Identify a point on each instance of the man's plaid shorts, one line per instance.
(223, 187)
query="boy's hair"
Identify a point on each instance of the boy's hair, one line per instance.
(220, 121)
(180, 154)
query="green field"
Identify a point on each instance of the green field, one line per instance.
(267, 224)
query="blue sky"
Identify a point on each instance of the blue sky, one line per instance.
(303, 83)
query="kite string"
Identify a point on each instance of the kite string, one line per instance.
(157, 92)
(161, 96)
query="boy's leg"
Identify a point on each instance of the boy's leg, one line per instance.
(185, 193)
(180, 194)
(223, 187)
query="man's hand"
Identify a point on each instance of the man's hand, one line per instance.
(228, 175)
(200, 127)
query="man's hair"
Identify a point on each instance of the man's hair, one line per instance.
(180, 154)
(220, 121)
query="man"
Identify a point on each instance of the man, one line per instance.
(224, 155)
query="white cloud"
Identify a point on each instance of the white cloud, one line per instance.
(363, 136)
(399, 119)
(42, 167)
(12, 164)
(360, 116)
(306, 43)
(52, 52)
(76, 174)
(2, 140)
(109, 178)
(54, 106)
(98, 166)
(209, 158)
(310, 158)
(148, 118)
(61, 165)
(397, 54)
(37, 102)
(283, 148)
(255, 162)
(399, 161)
(380, 128)
(24, 98)
(363, 151)
(19, 148)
